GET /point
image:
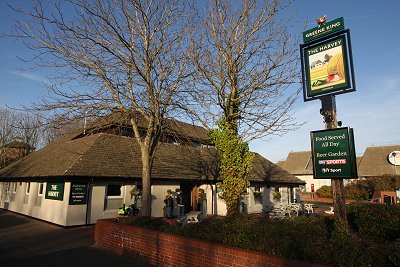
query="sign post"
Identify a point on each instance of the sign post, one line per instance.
(327, 70)
(339, 204)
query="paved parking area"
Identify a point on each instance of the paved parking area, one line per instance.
(28, 242)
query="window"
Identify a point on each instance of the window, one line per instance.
(15, 187)
(114, 197)
(28, 188)
(40, 189)
(257, 194)
(114, 191)
(8, 185)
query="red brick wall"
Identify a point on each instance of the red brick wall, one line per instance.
(306, 197)
(161, 249)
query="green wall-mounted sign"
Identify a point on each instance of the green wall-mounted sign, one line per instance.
(329, 27)
(55, 191)
(78, 195)
(334, 154)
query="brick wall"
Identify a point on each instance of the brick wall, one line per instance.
(161, 249)
(306, 197)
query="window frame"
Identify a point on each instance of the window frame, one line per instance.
(40, 186)
(15, 185)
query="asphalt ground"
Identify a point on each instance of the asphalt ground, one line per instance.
(25, 241)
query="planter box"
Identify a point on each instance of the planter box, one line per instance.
(162, 249)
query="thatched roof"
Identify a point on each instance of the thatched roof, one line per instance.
(171, 127)
(106, 156)
(375, 161)
(298, 163)
(265, 170)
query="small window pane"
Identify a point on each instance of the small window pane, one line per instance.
(28, 187)
(8, 187)
(40, 190)
(113, 190)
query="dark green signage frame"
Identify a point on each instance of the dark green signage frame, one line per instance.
(322, 30)
(327, 66)
(333, 154)
(55, 191)
(78, 195)
(327, 61)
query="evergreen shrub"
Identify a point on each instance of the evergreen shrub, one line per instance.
(378, 222)
(374, 238)
(325, 191)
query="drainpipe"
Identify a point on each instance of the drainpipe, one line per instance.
(88, 201)
(212, 199)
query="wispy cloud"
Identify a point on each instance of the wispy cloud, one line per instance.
(28, 75)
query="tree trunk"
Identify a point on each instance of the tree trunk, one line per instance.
(146, 182)
(339, 203)
(232, 207)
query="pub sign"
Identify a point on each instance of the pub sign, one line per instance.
(78, 195)
(333, 154)
(55, 191)
(326, 61)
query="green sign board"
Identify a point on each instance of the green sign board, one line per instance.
(78, 195)
(326, 67)
(333, 154)
(55, 191)
(322, 30)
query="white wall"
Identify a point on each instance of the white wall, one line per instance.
(97, 202)
(60, 212)
(209, 192)
(252, 203)
(54, 211)
(252, 206)
(158, 193)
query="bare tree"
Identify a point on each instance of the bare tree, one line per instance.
(22, 128)
(129, 54)
(28, 127)
(246, 60)
(6, 129)
(58, 127)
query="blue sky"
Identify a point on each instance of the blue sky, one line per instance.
(373, 110)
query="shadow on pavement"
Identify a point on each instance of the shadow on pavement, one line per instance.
(86, 256)
(9, 220)
(29, 242)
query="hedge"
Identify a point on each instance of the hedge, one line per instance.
(374, 239)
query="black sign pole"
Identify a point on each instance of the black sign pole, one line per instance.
(328, 111)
